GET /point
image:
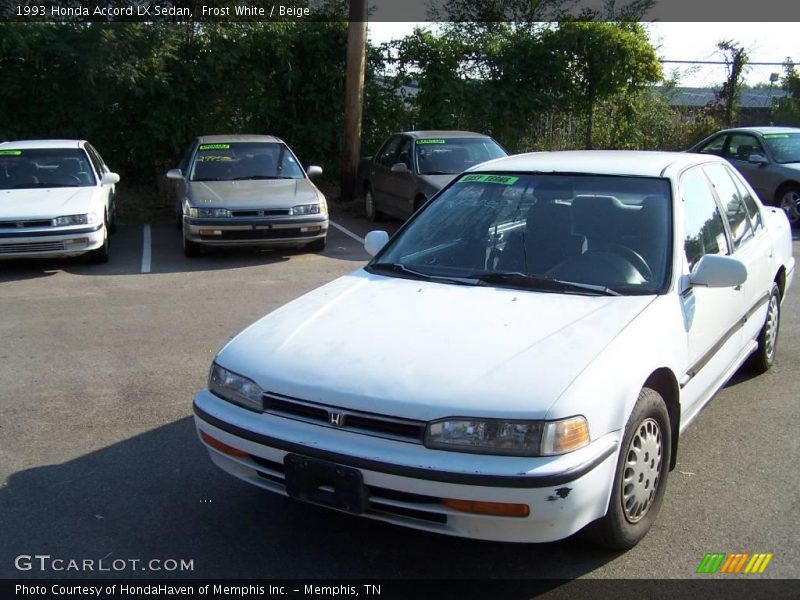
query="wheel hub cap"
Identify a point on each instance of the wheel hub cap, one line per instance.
(771, 334)
(642, 471)
(790, 203)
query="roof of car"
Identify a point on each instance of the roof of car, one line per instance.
(597, 162)
(34, 144)
(764, 129)
(443, 133)
(237, 137)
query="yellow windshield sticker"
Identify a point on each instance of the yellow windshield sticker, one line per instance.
(215, 147)
(499, 179)
(10, 152)
(432, 141)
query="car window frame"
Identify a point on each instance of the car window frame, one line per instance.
(377, 160)
(733, 245)
(727, 148)
(724, 137)
(96, 161)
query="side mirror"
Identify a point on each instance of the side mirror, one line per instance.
(400, 168)
(174, 174)
(314, 171)
(374, 241)
(109, 179)
(717, 271)
(757, 159)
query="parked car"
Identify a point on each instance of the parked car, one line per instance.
(56, 200)
(247, 190)
(518, 361)
(410, 167)
(768, 157)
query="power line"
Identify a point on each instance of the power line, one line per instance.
(720, 62)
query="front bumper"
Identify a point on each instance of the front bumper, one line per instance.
(406, 482)
(284, 231)
(51, 242)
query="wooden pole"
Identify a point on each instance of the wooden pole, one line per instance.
(353, 98)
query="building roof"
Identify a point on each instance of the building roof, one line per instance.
(696, 96)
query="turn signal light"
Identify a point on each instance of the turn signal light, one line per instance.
(222, 447)
(497, 509)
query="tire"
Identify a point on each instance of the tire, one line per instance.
(112, 224)
(317, 245)
(763, 358)
(100, 255)
(190, 249)
(370, 208)
(788, 198)
(641, 475)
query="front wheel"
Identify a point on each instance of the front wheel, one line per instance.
(762, 359)
(789, 201)
(190, 249)
(641, 475)
(100, 255)
(317, 245)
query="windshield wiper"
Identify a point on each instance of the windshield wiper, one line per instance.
(438, 173)
(261, 177)
(411, 273)
(538, 282)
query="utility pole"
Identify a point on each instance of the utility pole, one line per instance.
(353, 97)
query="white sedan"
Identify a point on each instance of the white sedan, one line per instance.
(56, 200)
(519, 360)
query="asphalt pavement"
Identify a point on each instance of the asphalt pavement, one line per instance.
(99, 457)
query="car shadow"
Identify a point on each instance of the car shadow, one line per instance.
(157, 496)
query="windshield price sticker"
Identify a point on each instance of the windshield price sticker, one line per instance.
(775, 135)
(214, 158)
(438, 141)
(215, 147)
(499, 179)
(10, 152)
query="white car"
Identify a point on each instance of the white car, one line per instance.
(56, 200)
(518, 361)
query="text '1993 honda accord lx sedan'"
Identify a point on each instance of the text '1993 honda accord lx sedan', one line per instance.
(56, 200)
(518, 361)
(247, 190)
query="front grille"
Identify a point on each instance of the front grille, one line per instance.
(32, 247)
(405, 430)
(273, 212)
(25, 224)
(260, 234)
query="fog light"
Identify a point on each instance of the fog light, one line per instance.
(222, 447)
(497, 509)
(76, 242)
(309, 229)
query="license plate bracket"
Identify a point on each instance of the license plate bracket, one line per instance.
(322, 482)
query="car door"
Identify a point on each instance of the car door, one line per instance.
(100, 169)
(403, 186)
(738, 150)
(750, 244)
(380, 175)
(710, 314)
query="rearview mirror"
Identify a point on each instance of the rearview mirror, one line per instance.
(717, 271)
(374, 241)
(109, 179)
(400, 168)
(174, 174)
(314, 171)
(758, 159)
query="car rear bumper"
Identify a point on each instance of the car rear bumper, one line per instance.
(261, 232)
(407, 482)
(43, 243)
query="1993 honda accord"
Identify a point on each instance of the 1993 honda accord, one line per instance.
(519, 360)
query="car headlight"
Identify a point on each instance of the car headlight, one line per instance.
(305, 209)
(508, 437)
(235, 388)
(208, 213)
(84, 219)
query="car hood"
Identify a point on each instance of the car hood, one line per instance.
(261, 193)
(424, 350)
(437, 182)
(45, 203)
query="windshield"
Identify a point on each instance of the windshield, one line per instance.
(244, 160)
(608, 234)
(44, 168)
(785, 147)
(451, 156)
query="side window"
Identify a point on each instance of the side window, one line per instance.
(732, 204)
(742, 146)
(187, 157)
(749, 201)
(703, 227)
(386, 154)
(97, 162)
(404, 153)
(714, 146)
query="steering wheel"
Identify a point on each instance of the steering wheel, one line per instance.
(633, 257)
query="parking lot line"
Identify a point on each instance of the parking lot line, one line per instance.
(346, 231)
(146, 249)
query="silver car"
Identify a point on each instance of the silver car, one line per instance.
(247, 190)
(768, 157)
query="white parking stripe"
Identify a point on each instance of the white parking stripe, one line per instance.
(347, 232)
(146, 250)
